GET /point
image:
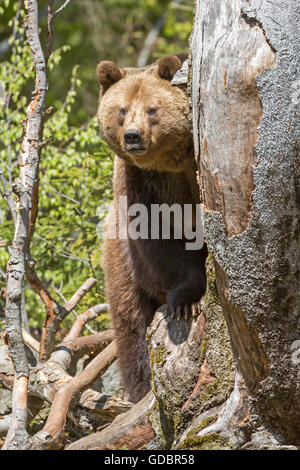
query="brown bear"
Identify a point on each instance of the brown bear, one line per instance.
(145, 120)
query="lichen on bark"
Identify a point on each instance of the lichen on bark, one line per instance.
(192, 370)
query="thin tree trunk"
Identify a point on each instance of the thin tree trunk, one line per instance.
(24, 188)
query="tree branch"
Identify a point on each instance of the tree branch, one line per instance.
(81, 320)
(62, 7)
(87, 344)
(71, 304)
(56, 314)
(30, 341)
(131, 429)
(52, 436)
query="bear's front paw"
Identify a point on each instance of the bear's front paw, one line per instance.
(180, 307)
(184, 311)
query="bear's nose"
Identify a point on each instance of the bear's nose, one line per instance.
(132, 137)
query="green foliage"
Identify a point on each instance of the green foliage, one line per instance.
(75, 179)
(113, 30)
(76, 166)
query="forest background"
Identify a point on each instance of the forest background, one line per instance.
(76, 165)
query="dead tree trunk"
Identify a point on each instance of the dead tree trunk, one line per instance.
(230, 380)
(245, 96)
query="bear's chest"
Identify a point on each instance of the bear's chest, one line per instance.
(151, 187)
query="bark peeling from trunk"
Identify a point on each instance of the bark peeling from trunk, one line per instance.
(245, 91)
(227, 98)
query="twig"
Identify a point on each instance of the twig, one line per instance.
(149, 41)
(56, 314)
(64, 253)
(82, 291)
(58, 291)
(62, 7)
(62, 194)
(81, 320)
(50, 18)
(46, 141)
(151, 37)
(53, 309)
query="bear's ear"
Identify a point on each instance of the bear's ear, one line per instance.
(168, 66)
(108, 73)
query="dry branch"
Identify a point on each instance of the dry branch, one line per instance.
(52, 436)
(71, 304)
(49, 381)
(87, 344)
(30, 341)
(56, 313)
(17, 437)
(81, 320)
(131, 429)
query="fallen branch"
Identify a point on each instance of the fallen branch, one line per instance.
(87, 344)
(132, 430)
(49, 381)
(52, 436)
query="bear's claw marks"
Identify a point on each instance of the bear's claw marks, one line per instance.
(184, 311)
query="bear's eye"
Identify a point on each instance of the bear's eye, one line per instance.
(123, 112)
(151, 111)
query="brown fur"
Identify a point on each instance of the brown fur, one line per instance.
(141, 274)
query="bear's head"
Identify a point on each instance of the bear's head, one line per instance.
(142, 117)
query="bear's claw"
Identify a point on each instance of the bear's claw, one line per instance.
(184, 311)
